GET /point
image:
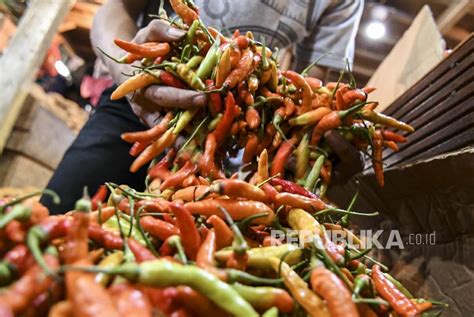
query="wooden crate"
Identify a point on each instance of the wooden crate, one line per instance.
(35, 146)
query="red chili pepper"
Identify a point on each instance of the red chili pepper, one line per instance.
(392, 136)
(161, 169)
(240, 71)
(377, 163)
(399, 302)
(338, 298)
(279, 161)
(158, 228)
(251, 148)
(179, 176)
(224, 236)
(291, 187)
(18, 296)
(207, 163)
(20, 257)
(169, 80)
(146, 137)
(224, 125)
(130, 301)
(215, 101)
(99, 197)
(141, 253)
(189, 234)
(107, 239)
(150, 51)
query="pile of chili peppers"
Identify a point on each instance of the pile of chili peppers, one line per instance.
(252, 106)
(189, 246)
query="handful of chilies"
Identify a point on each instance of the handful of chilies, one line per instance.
(192, 247)
(252, 106)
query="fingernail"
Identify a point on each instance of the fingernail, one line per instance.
(177, 33)
(200, 100)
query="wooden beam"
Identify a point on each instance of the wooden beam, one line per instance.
(457, 33)
(24, 56)
(453, 14)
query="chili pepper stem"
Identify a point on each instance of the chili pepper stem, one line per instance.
(372, 301)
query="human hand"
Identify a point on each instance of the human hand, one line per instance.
(350, 160)
(145, 104)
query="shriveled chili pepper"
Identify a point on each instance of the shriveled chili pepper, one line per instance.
(264, 297)
(399, 302)
(240, 71)
(259, 257)
(338, 298)
(158, 228)
(311, 302)
(151, 50)
(189, 234)
(392, 136)
(224, 125)
(224, 236)
(134, 83)
(331, 121)
(281, 157)
(238, 209)
(377, 163)
(150, 134)
(385, 120)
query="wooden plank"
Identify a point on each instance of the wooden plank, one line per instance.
(462, 51)
(19, 171)
(24, 56)
(453, 14)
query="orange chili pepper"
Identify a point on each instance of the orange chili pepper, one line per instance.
(179, 176)
(279, 161)
(150, 135)
(150, 51)
(240, 71)
(224, 236)
(187, 14)
(250, 148)
(189, 234)
(301, 83)
(224, 125)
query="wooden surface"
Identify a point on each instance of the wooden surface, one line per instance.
(39, 135)
(24, 56)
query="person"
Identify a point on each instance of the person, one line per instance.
(311, 27)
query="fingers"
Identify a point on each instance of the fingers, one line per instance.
(159, 31)
(170, 97)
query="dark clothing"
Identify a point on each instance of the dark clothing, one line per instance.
(97, 155)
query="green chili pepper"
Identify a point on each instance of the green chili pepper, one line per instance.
(239, 245)
(302, 157)
(6, 273)
(175, 242)
(213, 124)
(191, 34)
(264, 297)
(272, 312)
(209, 62)
(124, 224)
(314, 173)
(194, 61)
(110, 261)
(19, 212)
(184, 120)
(162, 273)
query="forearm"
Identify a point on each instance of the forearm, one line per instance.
(115, 19)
